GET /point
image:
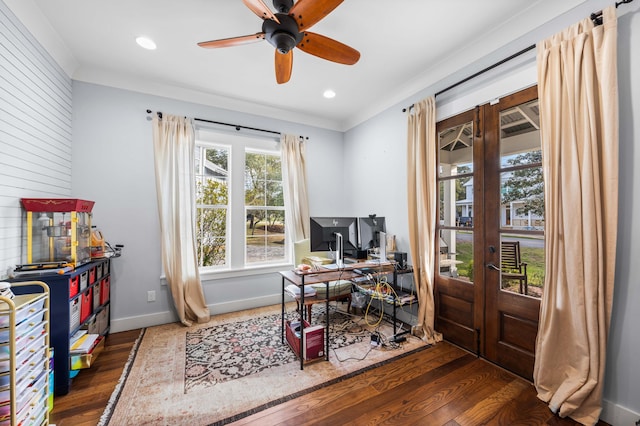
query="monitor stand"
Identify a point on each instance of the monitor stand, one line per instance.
(383, 247)
(339, 250)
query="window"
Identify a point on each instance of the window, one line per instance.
(240, 203)
(212, 204)
(264, 206)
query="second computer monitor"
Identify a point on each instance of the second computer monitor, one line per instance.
(324, 229)
(370, 229)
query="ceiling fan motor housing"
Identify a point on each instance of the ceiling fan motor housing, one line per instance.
(283, 6)
(284, 36)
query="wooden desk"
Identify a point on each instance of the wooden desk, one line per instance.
(322, 275)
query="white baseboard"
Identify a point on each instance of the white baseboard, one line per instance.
(617, 415)
(142, 321)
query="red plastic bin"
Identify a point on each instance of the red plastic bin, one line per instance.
(105, 286)
(86, 304)
(74, 285)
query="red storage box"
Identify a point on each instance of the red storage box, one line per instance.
(313, 339)
(92, 275)
(74, 285)
(86, 304)
(105, 286)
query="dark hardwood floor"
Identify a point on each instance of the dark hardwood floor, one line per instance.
(443, 385)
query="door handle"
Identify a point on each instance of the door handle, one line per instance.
(492, 266)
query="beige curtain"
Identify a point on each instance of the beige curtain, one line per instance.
(294, 180)
(423, 200)
(579, 130)
(174, 143)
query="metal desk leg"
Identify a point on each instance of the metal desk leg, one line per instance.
(326, 343)
(302, 325)
(282, 317)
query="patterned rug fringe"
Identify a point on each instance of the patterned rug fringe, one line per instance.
(113, 400)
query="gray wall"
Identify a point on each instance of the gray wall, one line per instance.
(113, 166)
(381, 144)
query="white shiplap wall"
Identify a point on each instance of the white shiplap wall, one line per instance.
(35, 131)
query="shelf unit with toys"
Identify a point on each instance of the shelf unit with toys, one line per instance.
(24, 355)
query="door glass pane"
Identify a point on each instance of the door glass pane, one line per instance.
(456, 254)
(456, 150)
(455, 173)
(522, 264)
(520, 135)
(456, 202)
(522, 198)
(521, 201)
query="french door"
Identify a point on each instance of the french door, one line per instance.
(490, 269)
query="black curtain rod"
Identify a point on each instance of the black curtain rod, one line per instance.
(489, 68)
(236, 126)
(596, 17)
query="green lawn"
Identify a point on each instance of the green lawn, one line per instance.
(534, 257)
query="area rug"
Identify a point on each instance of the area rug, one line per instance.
(236, 365)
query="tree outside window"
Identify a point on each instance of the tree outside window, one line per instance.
(264, 207)
(212, 205)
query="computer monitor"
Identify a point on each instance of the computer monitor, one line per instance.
(370, 229)
(323, 233)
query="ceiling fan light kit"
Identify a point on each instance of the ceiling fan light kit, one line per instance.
(286, 30)
(284, 35)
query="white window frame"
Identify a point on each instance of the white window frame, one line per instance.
(236, 238)
(229, 241)
(247, 208)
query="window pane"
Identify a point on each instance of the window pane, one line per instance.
(274, 194)
(273, 168)
(520, 135)
(265, 236)
(211, 236)
(522, 199)
(456, 202)
(522, 264)
(217, 160)
(456, 254)
(255, 166)
(255, 193)
(456, 150)
(212, 197)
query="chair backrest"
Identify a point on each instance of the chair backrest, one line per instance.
(302, 249)
(510, 256)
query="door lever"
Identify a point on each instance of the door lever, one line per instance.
(492, 266)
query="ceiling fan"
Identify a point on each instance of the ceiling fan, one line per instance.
(287, 29)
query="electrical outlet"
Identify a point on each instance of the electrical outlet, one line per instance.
(151, 296)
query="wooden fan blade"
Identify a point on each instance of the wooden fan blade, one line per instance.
(233, 41)
(284, 64)
(259, 8)
(308, 12)
(329, 49)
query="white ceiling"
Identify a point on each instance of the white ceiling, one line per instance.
(405, 46)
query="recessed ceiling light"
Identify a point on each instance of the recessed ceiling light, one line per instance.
(146, 42)
(329, 94)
